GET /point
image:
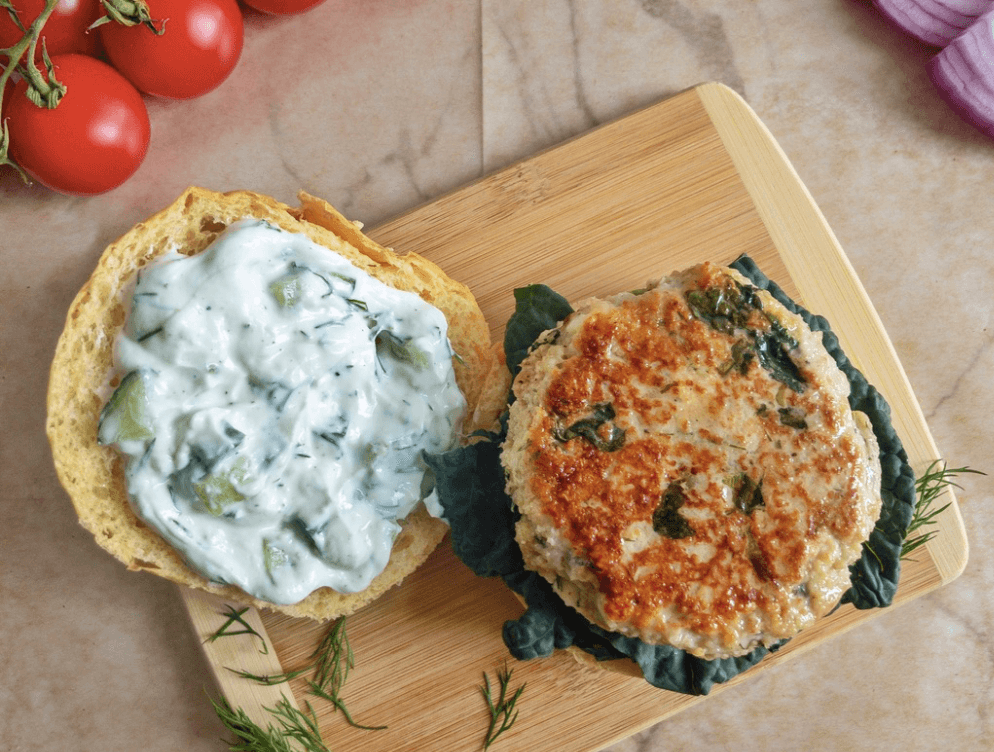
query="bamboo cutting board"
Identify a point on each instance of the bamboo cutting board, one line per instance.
(694, 177)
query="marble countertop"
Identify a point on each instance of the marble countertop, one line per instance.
(381, 105)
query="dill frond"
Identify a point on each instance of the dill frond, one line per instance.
(503, 711)
(932, 483)
(250, 736)
(300, 726)
(333, 659)
(270, 680)
(237, 617)
(331, 662)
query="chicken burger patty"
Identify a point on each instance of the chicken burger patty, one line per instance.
(687, 466)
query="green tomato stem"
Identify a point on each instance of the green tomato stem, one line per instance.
(44, 92)
(12, 12)
(128, 13)
(49, 90)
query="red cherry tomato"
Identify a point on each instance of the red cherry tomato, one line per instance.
(93, 141)
(198, 49)
(64, 31)
(282, 7)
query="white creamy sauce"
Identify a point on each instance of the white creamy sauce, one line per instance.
(276, 408)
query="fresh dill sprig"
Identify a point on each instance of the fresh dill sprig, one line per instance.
(237, 617)
(331, 662)
(270, 680)
(503, 712)
(333, 659)
(339, 704)
(294, 724)
(936, 478)
(300, 726)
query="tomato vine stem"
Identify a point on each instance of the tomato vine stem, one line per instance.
(43, 89)
(128, 13)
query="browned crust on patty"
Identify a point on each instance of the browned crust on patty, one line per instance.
(650, 538)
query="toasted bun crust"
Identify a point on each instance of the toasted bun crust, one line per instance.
(82, 377)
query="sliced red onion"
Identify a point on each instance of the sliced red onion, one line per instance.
(964, 73)
(934, 22)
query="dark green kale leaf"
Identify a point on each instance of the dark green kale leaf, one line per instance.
(537, 309)
(875, 576)
(666, 667)
(469, 481)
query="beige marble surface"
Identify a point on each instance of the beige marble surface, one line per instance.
(380, 105)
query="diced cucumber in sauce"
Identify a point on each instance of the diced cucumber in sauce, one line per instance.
(294, 397)
(217, 492)
(125, 416)
(286, 290)
(273, 557)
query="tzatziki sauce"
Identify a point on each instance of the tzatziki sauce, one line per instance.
(275, 405)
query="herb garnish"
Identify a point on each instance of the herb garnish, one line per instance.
(270, 680)
(589, 429)
(667, 520)
(235, 617)
(300, 726)
(331, 662)
(929, 486)
(504, 709)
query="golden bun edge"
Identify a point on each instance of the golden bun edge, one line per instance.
(83, 365)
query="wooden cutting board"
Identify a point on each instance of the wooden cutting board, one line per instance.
(694, 177)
